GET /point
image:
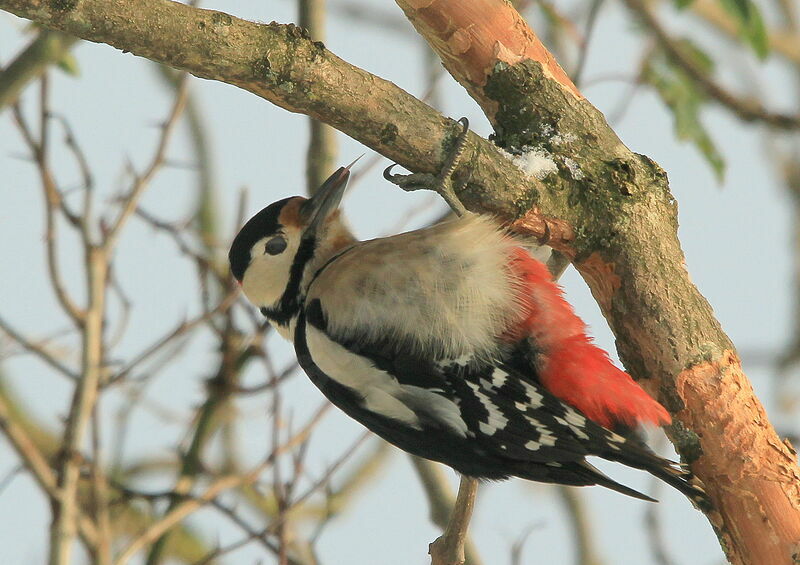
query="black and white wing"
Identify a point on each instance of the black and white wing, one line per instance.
(484, 419)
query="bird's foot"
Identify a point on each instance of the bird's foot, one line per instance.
(443, 182)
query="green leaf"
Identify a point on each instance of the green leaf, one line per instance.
(751, 24)
(69, 64)
(757, 34)
(685, 100)
(737, 8)
(682, 4)
(697, 56)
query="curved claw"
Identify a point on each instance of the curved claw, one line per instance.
(546, 236)
(464, 123)
(387, 173)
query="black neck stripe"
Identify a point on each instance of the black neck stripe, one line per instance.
(289, 303)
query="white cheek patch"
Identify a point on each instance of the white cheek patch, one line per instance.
(267, 275)
(380, 391)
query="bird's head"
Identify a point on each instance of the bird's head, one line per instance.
(276, 248)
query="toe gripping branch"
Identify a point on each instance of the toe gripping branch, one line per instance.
(443, 182)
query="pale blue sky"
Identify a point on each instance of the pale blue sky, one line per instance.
(736, 239)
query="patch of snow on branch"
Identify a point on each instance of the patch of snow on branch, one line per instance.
(574, 168)
(534, 162)
(561, 139)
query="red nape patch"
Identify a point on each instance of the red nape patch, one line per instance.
(570, 365)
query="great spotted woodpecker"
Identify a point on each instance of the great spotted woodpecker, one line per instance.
(450, 342)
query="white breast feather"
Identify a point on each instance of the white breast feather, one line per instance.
(444, 291)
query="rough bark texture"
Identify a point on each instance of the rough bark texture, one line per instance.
(610, 209)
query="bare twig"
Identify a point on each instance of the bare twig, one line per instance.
(441, 501)
(251, 535)
(178, 331)
(97, 264)
(38, 349)
(583, 54)
(141, 181)
(53, 202)
(449, 548)
(322, 150)
(180, 511)
(220, 388)
(37, 464)
(652, 521)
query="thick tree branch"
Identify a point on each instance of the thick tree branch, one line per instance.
(283, 65)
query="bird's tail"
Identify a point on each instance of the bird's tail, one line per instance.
(674, 474)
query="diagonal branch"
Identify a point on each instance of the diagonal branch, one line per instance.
(283, 65)
(628, 252)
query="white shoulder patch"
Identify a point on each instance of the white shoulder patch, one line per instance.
(443, 292)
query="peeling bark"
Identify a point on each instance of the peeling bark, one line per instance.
(756, 480)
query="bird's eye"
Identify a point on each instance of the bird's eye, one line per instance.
(275, 246)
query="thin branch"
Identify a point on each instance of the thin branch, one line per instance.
(251, 535)
(441, 501)
(183, 509)
(206, 208)
(131, 200)
(37, 464)
(583, 55)
(449, 548)
(220, 388)
(322, 146)
(39, 350)
(587, 552)
(178, 331)
(53, 202)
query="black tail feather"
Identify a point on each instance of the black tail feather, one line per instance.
(677, 475)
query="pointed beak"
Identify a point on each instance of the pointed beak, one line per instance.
(326, 200)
